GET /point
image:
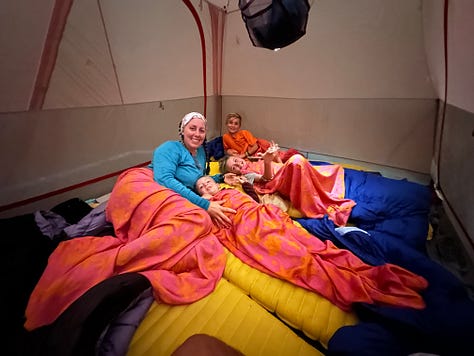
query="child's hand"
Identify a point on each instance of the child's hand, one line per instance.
(234, 179)
(231, 179)
(273, 147)
(271, 153)
(268, 156)
(242, 179)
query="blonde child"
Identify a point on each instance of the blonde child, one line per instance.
(242, 143)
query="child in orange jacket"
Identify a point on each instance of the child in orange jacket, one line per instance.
(242, 143)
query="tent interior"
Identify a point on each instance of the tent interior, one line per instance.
(89, 88)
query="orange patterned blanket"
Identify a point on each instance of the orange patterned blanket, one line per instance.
(314, 190)
(159, 234)
(266, 238)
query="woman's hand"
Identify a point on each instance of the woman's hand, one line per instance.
(217, 213)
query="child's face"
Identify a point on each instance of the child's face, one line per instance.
(233, 125)
(235, 165)
(207, 185)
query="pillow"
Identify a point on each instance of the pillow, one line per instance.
(214, 168)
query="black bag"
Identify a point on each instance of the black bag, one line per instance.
(274, 24)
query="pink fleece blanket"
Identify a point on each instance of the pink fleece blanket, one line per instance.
(265, 238)
(159, 234)
(314, 190)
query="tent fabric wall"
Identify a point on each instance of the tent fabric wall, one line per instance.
(125, 52)
(23, 28)
(348, 128)
(456, 171)
(84, 74)
(356, 86)
(362, 49)
(448, 30)
(89, 143)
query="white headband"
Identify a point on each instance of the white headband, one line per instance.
(189, 117)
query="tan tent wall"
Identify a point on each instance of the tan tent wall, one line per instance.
(355, 86)
(457, 170)
(124, 52)
(346, 128)
(114, 95)
(334, 83)
(23, 29)
(87, 143)
(452, 164)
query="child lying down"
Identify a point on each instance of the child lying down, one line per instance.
(265, 237)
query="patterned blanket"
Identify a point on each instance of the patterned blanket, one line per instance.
(314, 191)
(159, 234)
(266, 238)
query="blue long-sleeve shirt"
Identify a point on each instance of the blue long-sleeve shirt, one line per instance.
(175, 168)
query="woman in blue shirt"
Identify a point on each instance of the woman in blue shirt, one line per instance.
(177, 165)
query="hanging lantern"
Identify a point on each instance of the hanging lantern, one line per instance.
(274, 24)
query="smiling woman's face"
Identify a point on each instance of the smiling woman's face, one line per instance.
(194, 134)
